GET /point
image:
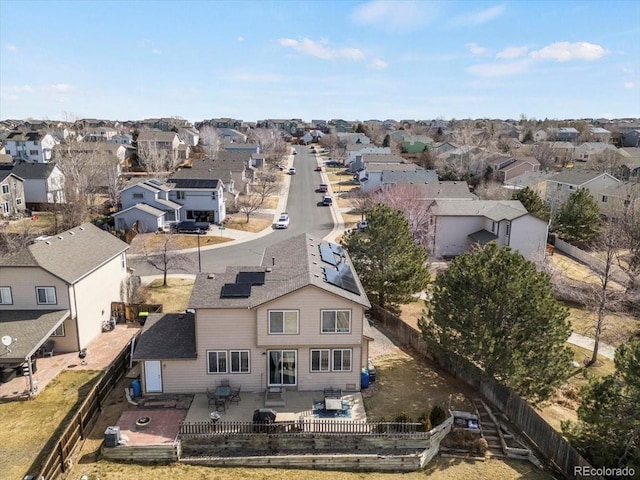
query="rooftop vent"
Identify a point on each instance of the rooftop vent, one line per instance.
(211, 276)
(59, 237)
(81, 228)
(71, 233)
(47, 242)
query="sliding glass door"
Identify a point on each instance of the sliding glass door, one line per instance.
(282, 367)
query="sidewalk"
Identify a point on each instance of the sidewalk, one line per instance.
(585, 342)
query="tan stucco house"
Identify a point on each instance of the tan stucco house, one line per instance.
(294, 322)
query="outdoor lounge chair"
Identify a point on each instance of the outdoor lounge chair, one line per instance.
(48, 348)
(211, 397)
(224, 383)
(235, 395)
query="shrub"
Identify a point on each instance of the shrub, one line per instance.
(425, 423)
(437, 416)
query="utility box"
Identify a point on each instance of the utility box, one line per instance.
(112, 436)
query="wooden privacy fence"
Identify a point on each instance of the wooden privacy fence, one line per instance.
(300, 427)
(57, 461)
(130, 312)
(547, 440)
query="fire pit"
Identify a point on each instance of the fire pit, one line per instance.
(142, 423)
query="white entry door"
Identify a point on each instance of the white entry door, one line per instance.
(153, 376)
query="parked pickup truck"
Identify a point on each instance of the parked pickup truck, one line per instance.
(323, 188)
(191, 226)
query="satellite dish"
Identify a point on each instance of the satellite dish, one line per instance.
(7, 340)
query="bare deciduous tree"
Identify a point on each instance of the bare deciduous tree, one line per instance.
(156, 160)
(18, 238)
(492, 190)
(271, 143)
(266, 185)
(376, 132)
(210, 141)
(249, 204)
(166, 257)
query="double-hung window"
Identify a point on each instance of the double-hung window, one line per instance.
(342, 360)
(239, 361)
(5, 296)
(216, 361)
(336, 321)
(46, 295)
(283, 322)
(320, 360)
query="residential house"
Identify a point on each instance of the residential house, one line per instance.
(189, 136)
(593, 151)
(221, 123)
(200, 194)
(32, 146)
(230, 135)
(534, 180)
(416, 143)
(540, 135)
(506, 167)
(447, 190)
(12, 201)
(562, 185)
(630, 165)
(295, 322)
(155, 142)
(599, 134)
(235, 169)
(443, 148)
(613, 200)
(354, 153)
(377, 176)
(458, 225)
(106, 154)
(43, 183)
(122, 139)
(101, 134)
(153, 194)
(565, 134)
(61, 289)
(631, 138)
(353, 138)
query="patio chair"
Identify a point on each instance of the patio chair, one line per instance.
(211, 397)
(221, 405)
(224, 383)
(235, 395)
(48, 348)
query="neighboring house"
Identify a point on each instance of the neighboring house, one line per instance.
(382, 176)
(199, 193)
(563, 184)
(564, 134)
(593, 150)
(353, 138)
(124, 139)
(630, 165)
(599, 134)
(233, 168)
(60, 288)
(189, 136)
(33, 146)
(615, 199)
(447, 190)
(354, 153)
(141, 217)
(297, 321)
(535, 180)
(96, 152)
(155, 142)
(631, 138)
(458, 225)
(443, 148)
(101, 134)
(12, 200)
(154, 194)
(507, 167)
(241, 147)
(230, 135)
(540, 135)
(43, 183)
(370, 177)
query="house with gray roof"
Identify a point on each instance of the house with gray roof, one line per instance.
(156, 142)
(199, 193)
(294, 322)
(379, 176)
(562, 185)
(458, 225)
(43, 183)
(11, 194)
(32, 146)
(60, 289)
(154, 194)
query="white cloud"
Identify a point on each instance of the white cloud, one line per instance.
(156, 51)
(59, 88)
(566, 51)
(9, 96)
(499, 69)
(17, 88)
(255, 77)
(477, 49)
(321, 49)
(512, 52)
(240, 38)
(629, 85)
(478, 18)
(395, 16)
(11, 48)
(378, 64)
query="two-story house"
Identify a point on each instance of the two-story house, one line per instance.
(562, 185)
(506, 167)
(200, 195)
(160, 143)
(31, 146)
(457, 225)
(146, 204)
(43, 183)
(385, 175)
(61, 289)
(11, 194)
(295, 322)
(354, 153)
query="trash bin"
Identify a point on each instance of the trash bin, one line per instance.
(137, 388)
(112, 436)
(364, 378)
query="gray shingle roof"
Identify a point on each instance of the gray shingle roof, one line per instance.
(33, 171)
(156, 136)
(289, 265)
(143, 207)
(382, 158)
(575, 177)
(444, 190)
(394, 176)
(167, 336)
(495, 210)
(70, 255)
(29, 328)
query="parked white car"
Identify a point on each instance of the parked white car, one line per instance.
(283, 221)
(362, 225)
(292, 171)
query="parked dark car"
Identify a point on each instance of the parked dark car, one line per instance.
(333, 163)
(191, 226)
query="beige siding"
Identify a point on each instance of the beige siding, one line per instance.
(529, 237)
(93, 296)
(23, 282)
(68, 343)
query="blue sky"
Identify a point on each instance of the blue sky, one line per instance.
(319, 59)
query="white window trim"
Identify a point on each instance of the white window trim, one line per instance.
(284, 323)
(59, 332)
(45, 289)
(321, 351)
(335, 320)
(5, 296)
(239, 352)
(226, 362)
(343, 350)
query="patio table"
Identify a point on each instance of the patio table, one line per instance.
(332, 404)
(223, 392)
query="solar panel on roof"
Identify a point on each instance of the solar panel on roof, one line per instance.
(327, 255)
(342, 278)
(236, 290)
(254, 278)
(335, 248)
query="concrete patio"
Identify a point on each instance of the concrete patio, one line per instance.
(298, 404)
